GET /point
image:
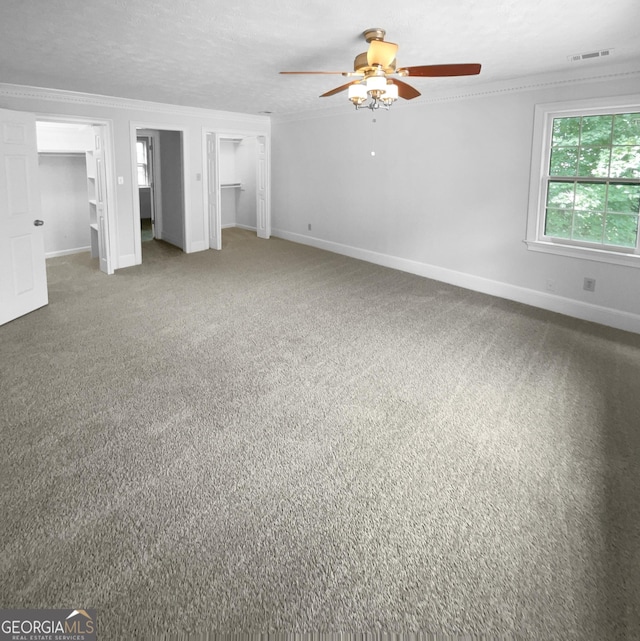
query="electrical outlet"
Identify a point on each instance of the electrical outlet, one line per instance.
(309, 226)
(589, 284)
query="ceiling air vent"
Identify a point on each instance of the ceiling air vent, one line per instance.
(579, 57)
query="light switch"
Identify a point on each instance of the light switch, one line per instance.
(121, 180)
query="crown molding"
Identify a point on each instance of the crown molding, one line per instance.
(593, 73)
(26, 92)
(629, 71)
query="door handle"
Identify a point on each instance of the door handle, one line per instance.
(38, 223)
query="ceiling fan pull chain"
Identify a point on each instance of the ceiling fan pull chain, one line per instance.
(373, 137)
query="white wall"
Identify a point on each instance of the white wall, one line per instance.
(63, 186)
(228, 173)
(228, 214)
(238, 165)
(61, 137)
(246, 197)
(228, 176)
(65, 202)
(121, 114)
(445, 195)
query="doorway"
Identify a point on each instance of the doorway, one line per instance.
(159, 173)
(76, 185)
(236, 185)
(150, 204)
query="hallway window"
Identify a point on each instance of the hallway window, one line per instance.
(142, 151)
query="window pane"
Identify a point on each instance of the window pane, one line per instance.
(626, 129)
(594, 161)
(558, 223)
(587, 200)
(621, 230)
(560, 195)
(596, 130)
(142, 176)
(564, 161)
(588, 226)
(625, 162)
(141, 151)
(566, 132)
(590, 197)
(624, 199)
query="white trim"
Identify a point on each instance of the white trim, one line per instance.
(593, 71)
(584, 253)
(68, 252)
(97, 100)
(569, 307)
(239, 226)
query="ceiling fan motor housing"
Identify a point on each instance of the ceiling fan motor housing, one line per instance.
(374, 34)
(361, 65)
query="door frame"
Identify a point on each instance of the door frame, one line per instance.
(213, 228)
(111, 245)
(186, 195)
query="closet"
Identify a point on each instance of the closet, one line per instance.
(237, 166)
(63, 173)
(72, 175)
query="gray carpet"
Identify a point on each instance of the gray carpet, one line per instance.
(273, 438)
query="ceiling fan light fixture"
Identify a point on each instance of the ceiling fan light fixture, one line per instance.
(357, 94)
(376, 82)
(390, 94)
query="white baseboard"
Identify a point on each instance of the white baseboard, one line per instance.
(67, 252)
(567, 306)
(239, 226)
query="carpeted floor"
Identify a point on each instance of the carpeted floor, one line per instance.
(273, 438)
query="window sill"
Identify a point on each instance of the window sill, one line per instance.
(585, 253)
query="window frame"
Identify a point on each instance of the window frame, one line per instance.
(536, 240)
(146, 142)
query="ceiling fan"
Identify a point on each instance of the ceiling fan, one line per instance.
(377, 77)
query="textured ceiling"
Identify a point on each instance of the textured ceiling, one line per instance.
(225, 55)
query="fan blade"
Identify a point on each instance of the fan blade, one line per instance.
(440, 71)
(381, 53)
(404, 90)
(316, 72)
(333, 92)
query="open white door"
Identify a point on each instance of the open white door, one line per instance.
(213, 192)
(263, 217)
(101, 200)
(23, 272)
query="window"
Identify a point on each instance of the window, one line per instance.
(142, 154)
(585, 182)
